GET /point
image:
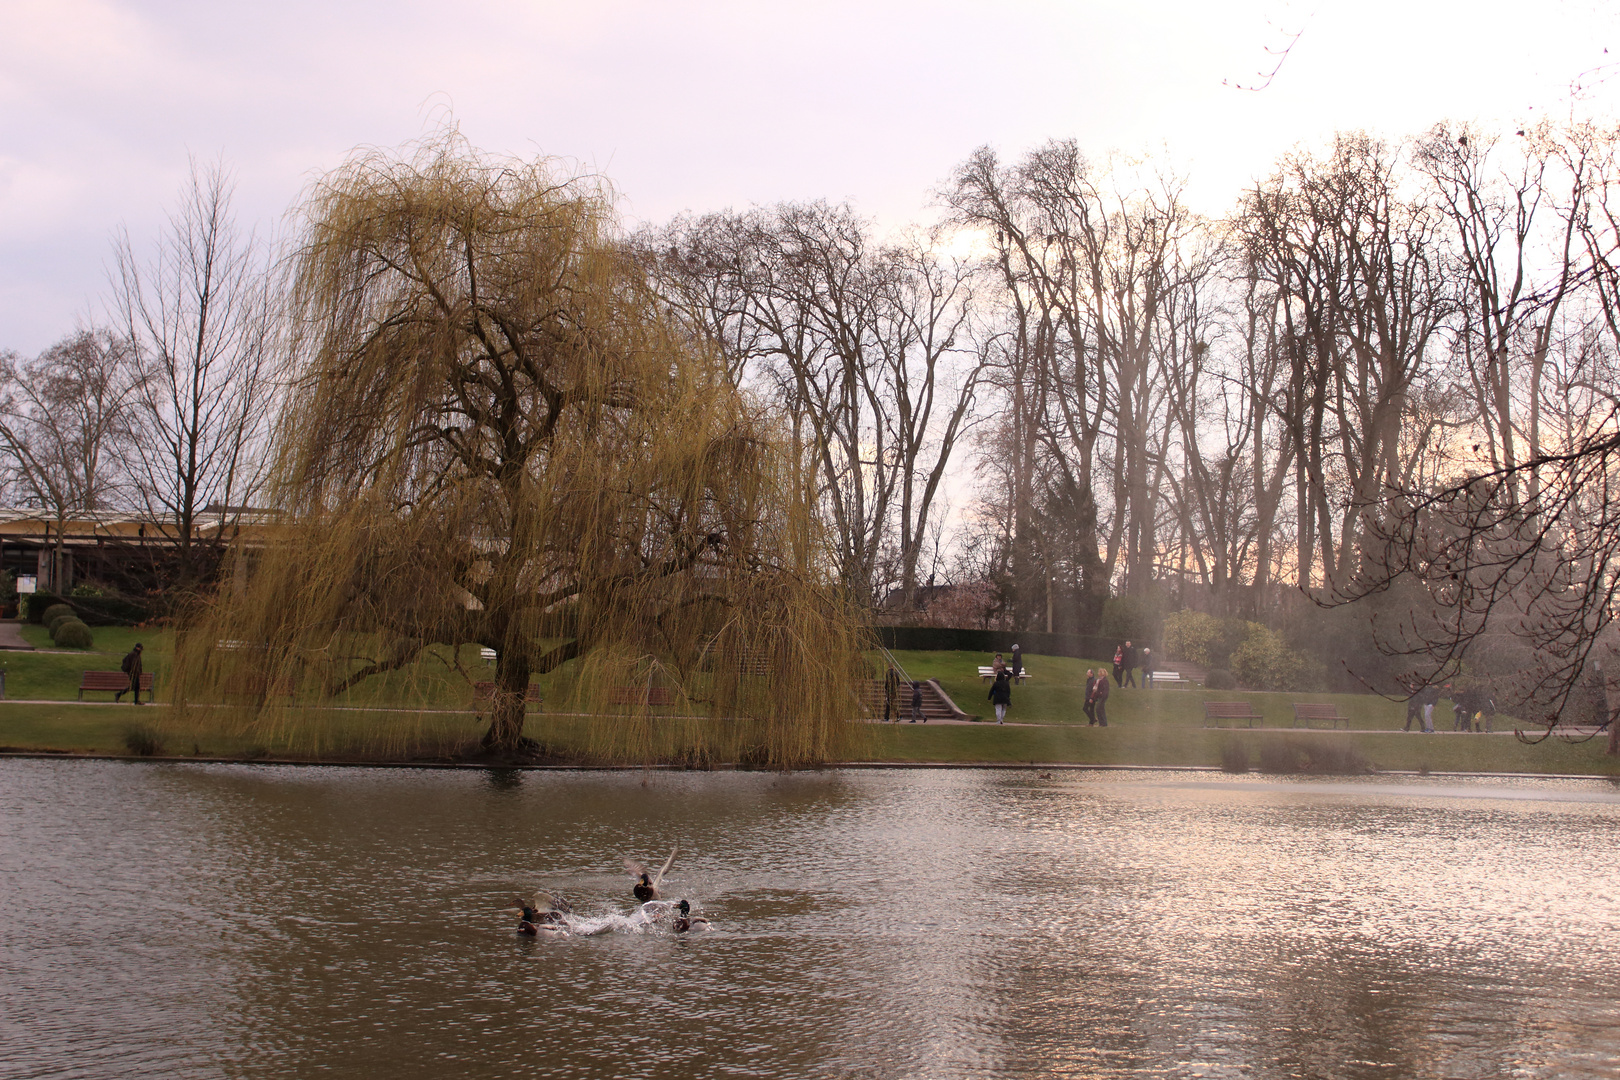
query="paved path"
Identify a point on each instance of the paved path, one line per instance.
(11, 636)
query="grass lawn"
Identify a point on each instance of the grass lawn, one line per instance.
(1169, 744)
(1055, 692)
(1147, 727)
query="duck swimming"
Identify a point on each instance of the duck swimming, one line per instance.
(543, 915)
(646, 887)
(686, 922)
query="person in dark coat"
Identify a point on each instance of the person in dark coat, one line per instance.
(132, 667)
(1017, 664)
(1001, 695)
(1099, 701)
(1090, 707)
(916, 703)
(1471, 707)
(1129, 654)
(1421, 704)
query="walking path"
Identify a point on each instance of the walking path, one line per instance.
(11, 637)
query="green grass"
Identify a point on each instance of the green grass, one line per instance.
(1055, 691)
(53, 674)
(1147, 727)
(1163, 744)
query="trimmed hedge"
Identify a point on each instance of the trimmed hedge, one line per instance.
(55, 610)
(36, 604)
(112, 610)
(58, 619)
(1029, 642)
(92, 610)
(73, 634)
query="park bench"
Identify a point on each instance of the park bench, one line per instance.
(1308, 715)
(988, 672)
(1216, 711)
(485, 691)
(112, 681)
(640, 695)
(1167, 678)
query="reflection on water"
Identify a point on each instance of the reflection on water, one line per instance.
(257, 921)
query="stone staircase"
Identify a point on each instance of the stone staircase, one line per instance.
(936, 704)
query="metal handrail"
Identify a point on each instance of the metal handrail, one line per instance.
(889, 656)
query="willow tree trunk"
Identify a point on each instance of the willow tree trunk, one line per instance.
(509, 708)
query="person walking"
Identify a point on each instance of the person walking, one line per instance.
(1129, 654)
(1099, 701)
(1090, 707)
(916, 703)
(1017, 662)
(1001, 695)
(132, 667)
(1147, 666)
(1119, 665)
(1421, 704)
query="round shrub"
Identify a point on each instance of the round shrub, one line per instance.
(52, 623)
(55, 610)
(73, 634)
(1220, 679)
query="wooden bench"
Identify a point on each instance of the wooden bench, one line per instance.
(988, 672)
(640, 695)
(1308, 714)
(485, 691)
(112, 681)
(1216, 711)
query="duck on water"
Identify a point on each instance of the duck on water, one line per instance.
(646, 886)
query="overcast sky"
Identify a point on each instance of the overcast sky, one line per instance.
(705, 105)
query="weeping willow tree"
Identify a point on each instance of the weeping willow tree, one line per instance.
(497, 435)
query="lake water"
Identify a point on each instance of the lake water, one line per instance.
(241, 921)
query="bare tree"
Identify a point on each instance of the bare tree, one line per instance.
(198, 315)
(1362, 284)
(866, 349)
(65, 425)
(1514, 244)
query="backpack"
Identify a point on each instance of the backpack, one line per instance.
(129, 662)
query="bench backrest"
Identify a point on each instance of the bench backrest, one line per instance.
(1228, 709)
(640, 695)
(112, 680)
(1307, 711)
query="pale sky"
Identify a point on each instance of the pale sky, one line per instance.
(706, 105)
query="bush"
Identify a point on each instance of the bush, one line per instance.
(1220, 679)
(1234, 757)
(1265, 662)
(55, 611)
(105, 610)
(73, 634)
(1320, 757)
(142, 741)
(1203, 639)
(55, 623)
